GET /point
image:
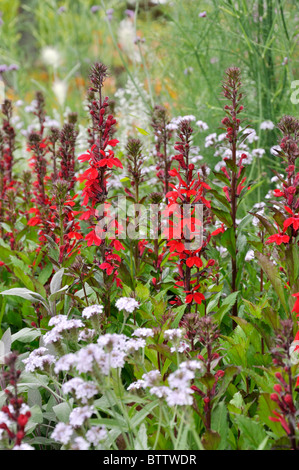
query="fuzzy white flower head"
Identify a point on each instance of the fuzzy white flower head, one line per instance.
(181, 397)
(267, 125)
(210, 140)
(134, 344)
(127, 303)
(62, 433)
(38, 360)
(92, 310)
(59, 88)
(249, 255)
(65, 363)
(151, 378)
(180, 378)
(23, 447)
(202, 125)
(86, 335)
(80, 444)
(137, 385)
(95, 435)
(258, 153)
(192, 365)
(181, 347)
(80, 414)
(51, 56)
(143, 332)
(83, 390)
(173, 334)
(160, 392)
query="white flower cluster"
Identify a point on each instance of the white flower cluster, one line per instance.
(202, 125)
(38, 360)
(143, 332)
(82, 390)
(178, 392)
(110, 352)
(66, 433)
(267, 125)
(92, 310)
(127, 303)
(173, 125)
(61, 326)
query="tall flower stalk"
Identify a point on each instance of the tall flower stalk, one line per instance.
(101, 161)
(186, 195)
(232, 172)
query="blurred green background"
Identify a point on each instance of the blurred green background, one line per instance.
(178, 50)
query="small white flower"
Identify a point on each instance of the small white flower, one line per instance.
(80, 414)
(191, 365)
(249, 255)
(181, 397)
(180, 378)
(210, 140)
(202, 125)
(151, 378)
(160, 392)
(59, 88)
(80, 444)
(82, 389)
(143, 332)
(62, 433)
(86, 335)
(137, 385)
(181, 347)
(135, 344)
(95, 435)
(23, 447)
(92, 310)
(267, 125)
(173, 334)
(65, 363)
(258, 153)
(51, 56)
(127, 303)
(38, 360)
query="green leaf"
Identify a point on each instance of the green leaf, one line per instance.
(45, 273)
(252, 432)
(228, 240)
(265, 410)
(141, 439)
(142, 131)
(56, 281)
(220, 424)
(273, 275)
(227, 305)
(223, 216)
(26, 335)
(20, 274)
(62, 411)
(24, 293)
(211, 440)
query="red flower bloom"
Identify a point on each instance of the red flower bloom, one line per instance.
(278, 238)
